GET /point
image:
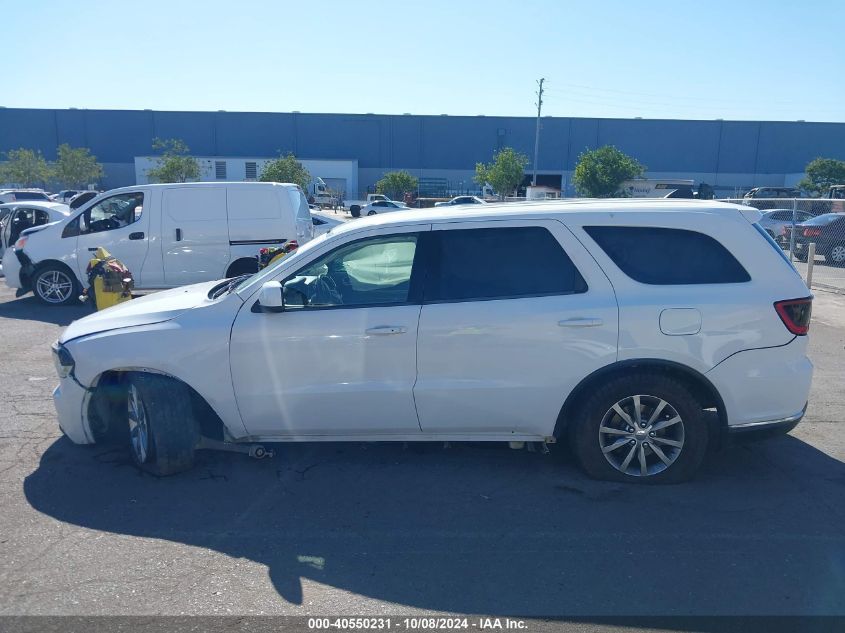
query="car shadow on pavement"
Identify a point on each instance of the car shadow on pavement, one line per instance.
(28, 308)
(484, 529)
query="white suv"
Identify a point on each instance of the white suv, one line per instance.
(639, 332)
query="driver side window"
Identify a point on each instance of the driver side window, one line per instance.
(112, 213)
(368, 272)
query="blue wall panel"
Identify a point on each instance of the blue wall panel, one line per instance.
(196, 129)
(32, 129)
(429, 142)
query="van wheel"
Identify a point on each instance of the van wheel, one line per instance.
(162, 430)
(55, 285)
(371, 213)
(640, 429)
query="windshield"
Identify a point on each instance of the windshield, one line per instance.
(261, 276)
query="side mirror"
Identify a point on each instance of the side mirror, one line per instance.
(271, 298)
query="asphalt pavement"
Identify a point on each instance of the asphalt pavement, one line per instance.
(392, 529)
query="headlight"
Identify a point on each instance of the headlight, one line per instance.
(20, 243)
(63, 360)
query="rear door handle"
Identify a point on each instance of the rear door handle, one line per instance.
(385, 330)
(178, 235)
(580, 322)
(136, 236)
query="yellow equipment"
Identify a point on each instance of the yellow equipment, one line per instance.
(110, 281)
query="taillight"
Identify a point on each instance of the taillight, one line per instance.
(795, 314)
(812, 232)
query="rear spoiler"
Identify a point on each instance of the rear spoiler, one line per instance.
(749, 213)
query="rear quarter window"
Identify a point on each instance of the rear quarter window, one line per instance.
(499, 263)
(663, 256)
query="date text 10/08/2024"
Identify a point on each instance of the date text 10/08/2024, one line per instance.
(416, 623)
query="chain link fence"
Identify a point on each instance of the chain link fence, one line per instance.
(811, 231)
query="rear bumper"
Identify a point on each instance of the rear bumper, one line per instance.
(765, 428)
(766, 387)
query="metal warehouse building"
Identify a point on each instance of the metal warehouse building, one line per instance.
(359, 148)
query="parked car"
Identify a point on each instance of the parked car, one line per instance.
(167, 235)
(355, 206)
(828, 232)
(16, 217)
(324, 223)
(383, 206)
(66, 194)
(638, 332)
(18, 195)
(776, 220)
(81, 198)
(461, 200)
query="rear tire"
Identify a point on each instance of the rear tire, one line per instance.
(656, 448)
(371, 213)
(55, 285)
(163, 432)
(836, 255)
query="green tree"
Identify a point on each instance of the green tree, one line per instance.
(174, 164)
(821, 174)
(394, 184)
(286, 169)
(599, 172)
(505, 173)
(25, 168)
(76, 167)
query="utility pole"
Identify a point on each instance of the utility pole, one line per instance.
(537, 132)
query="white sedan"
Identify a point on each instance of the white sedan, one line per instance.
(15, 217)
(324, 223)
(460, 200)
(383, 206)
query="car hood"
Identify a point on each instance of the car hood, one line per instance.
(146, 310)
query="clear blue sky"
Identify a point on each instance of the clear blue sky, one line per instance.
(733, 59)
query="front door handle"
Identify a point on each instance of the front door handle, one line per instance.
(178, 235)
(580, 322)
(136, 236)
(385, 330)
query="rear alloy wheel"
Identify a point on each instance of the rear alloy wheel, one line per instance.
(836, 255)
(645, 428)
(641, 435)
(54, 285)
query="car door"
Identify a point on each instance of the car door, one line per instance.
(515, 314)
(117, 223)
(340, 360)
(194, 234)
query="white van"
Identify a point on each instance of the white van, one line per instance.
(168, 235)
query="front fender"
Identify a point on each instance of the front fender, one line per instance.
(197, 357)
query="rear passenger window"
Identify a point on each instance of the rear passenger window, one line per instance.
(499, 263)
(663, 256)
